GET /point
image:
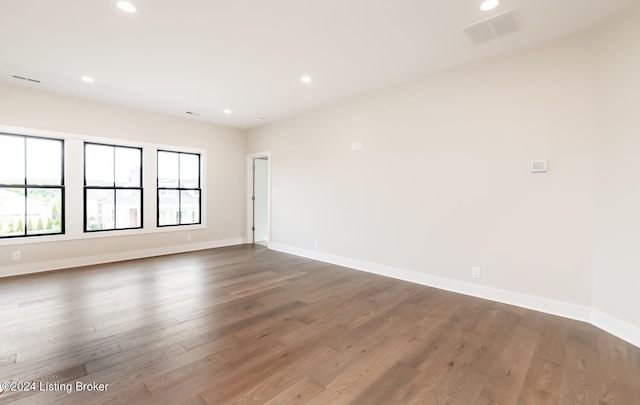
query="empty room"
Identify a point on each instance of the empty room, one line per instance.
(320, 202)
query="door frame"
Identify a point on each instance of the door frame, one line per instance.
(250, 158)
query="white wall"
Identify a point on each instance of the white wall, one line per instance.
(442, 182)
(225, 150)
(616, 277)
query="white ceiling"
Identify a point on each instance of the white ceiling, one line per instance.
(248, 55)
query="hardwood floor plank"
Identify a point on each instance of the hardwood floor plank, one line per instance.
(447, 373)
(224, 389)
(579, 379)
(196, 400)
(510, 367)
(214, 356)
(500, 333)
(132, 395)
(8, 360)
(348, 382)
(198, 377)
(279, 381)
(298, 393)
(391, 387)
(214, 333)
(541, 386)
(457, 385)
(553, 340)
(614, 368)
(633, 354)
(224, 306)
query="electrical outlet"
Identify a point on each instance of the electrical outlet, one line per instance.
(16, 255)
(475, 272)
(315, 244)
(188, 236)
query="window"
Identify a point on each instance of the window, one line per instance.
(112, 187)
(31, 186)
(179, 193)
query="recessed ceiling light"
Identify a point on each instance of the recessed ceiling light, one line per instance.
(259, 119)
(305, 79)
(88, 79)
(227, 111)
(488, 5)
(126, 6)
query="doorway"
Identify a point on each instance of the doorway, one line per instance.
(259, 203)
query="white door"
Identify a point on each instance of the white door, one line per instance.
(261, 201)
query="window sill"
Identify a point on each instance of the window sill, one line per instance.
(97, 235)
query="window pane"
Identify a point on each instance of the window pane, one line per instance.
(167, 169)
(128, 208)
(168, 207)
(43, 211)
(44, 161)
(189, 171)
(98, 163)
(190, 204)
(12, 212)
(128, 166)
(11, 160)
(99, 206)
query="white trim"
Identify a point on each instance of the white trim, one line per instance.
(250, 158)
(617, 327)
(114, 257)
(94, 235)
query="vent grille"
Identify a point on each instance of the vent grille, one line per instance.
(494, 27)
(28, 79)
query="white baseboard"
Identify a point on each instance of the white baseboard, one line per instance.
(30, 268)
(621, 329)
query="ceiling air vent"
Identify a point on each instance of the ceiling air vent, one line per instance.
(494, 27)
(28, 79)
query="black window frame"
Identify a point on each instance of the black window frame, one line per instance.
(178, 189)
(26, 186)
(115, 188)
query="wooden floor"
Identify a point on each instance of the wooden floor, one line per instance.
(249, 325)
